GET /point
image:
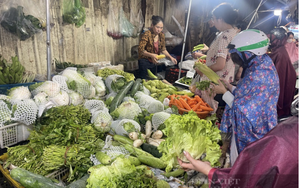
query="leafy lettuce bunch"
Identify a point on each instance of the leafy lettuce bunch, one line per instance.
(189, 133)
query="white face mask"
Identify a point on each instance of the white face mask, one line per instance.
(289, 40)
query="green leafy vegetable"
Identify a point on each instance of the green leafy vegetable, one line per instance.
(203, 85)
(129, 127)
(189, 133)
(104, 73)
(74, 13)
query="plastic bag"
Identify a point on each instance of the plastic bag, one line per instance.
(193, 87)
(73, 12)
(113, 28)
(137, 21)
(126, 27)
(117, 127)
(23, 18)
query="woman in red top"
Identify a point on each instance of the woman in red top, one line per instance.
(152, 44)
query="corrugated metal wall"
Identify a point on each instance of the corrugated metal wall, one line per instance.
(89, 43)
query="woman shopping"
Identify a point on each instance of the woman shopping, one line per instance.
(251, 110)
(152, 44)
(218, 58)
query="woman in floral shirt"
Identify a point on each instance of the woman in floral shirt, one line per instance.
(218, 58)
(152, 44)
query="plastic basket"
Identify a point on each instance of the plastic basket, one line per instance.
(61, 174)
(6, 87)
(172, 74)
(201, 115)
(13, 133)
(6, 173)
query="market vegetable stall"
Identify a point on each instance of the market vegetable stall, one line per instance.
(73, 132)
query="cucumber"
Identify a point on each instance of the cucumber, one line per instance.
(135, 87)
(135, 161)
(136, 151)
(151, 149)
(174, 173)
(103, 158)
(120, 96)
(162, 184)
(122, 139)
(152, 161)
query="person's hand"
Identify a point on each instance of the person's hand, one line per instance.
(219, 89)
(199, 72)
(200, 166)
(154, 58)
(173, 60)
(195, 55)
(227, 85)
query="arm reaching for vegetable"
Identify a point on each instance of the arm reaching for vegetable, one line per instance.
(200, 166)
(165, 52)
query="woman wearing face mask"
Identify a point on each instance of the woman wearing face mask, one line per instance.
(218, 58)
(152, 44)
(292, 48)
(285, 69)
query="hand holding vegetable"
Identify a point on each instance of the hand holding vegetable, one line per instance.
(199, 72)
(154, 58)
(219, 89)
(200, 166)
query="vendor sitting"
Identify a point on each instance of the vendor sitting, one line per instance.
(152, 44)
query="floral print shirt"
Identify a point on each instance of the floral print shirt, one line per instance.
(253, 112)
(147, 43)
(218, 48)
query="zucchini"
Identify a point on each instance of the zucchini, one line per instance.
(135, 87)
(151, 149)
(103, 158)
(135, 161)
(122, 139)
(136, 151)
(162, 184)
(120, 96)
(152, 161)
(174, 173)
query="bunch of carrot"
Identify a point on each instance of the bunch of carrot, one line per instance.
(183, 101)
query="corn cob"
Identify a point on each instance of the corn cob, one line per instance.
(207, 72)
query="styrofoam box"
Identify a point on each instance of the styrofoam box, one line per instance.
(13, 133)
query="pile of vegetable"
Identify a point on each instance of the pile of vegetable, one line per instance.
(195, 104)
(207, 71)
(188, 133)
(63, 65)
(15, 22)
(74, 12)
(159, 90)
(13, 73)
(104, 73)
(186, 80)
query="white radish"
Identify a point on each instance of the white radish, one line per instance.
(137, 143)
(154, 142)
(157, 134)
(143, 136)
(133, 135)
(148, 128)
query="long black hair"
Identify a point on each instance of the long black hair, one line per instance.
(156, 20)
(226, 12)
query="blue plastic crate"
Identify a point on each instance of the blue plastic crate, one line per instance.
(6, 87)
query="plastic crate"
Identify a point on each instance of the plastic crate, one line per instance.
(6, 87)
(13, 133)
(60, 174)
(172, 74)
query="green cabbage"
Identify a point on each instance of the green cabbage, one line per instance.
(189, 133)
(127, 110)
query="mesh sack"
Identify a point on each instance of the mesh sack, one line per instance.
(41, 98)
(77, 82)
(159, 118)
(100, 87)
(4, 97)
(76, 98)
(61, 99)
(127, 110)
(146, 91)
(62, 81)
(26, 111)
(5, 113)
(113, 79)
(94, 105)
(110, 150)
(149, 103)
(102, 120)
(91, 77)
(166, 102)
(49, 87)
(117, 126)
(126, 99)
(19, 93)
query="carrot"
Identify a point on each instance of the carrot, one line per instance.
(191, 102)
(199, 110)
(197, 98)
(172, 98)
(184, 104)
(205, 108)
(178, 103)
(196, 106)
(185, 97)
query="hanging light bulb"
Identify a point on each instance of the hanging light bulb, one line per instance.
(277, 12)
